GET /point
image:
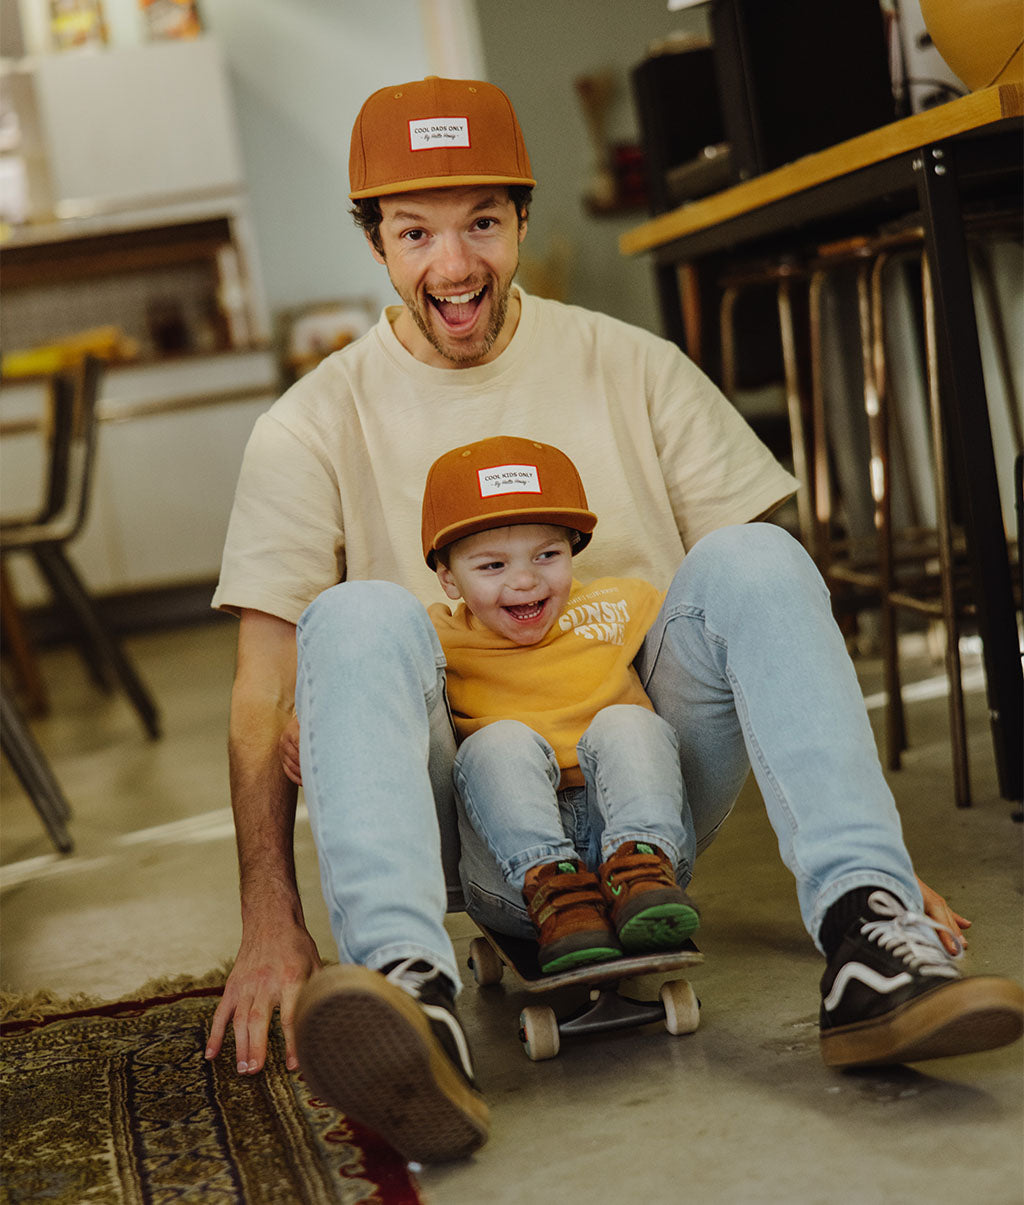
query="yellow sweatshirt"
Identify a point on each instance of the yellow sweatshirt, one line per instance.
(556, 687)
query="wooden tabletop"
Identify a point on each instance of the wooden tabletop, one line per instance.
(980, 108)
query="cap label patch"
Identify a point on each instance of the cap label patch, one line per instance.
(427, 133)
(509, 479)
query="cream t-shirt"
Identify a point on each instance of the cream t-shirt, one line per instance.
(332, 478)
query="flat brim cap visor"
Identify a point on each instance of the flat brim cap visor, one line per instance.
(436, 133)
(502, 482)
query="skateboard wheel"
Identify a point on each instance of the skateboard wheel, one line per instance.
(682, 1008)
(538, 1032)
(485, 964)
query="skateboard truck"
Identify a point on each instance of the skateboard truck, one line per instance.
(541, 1030)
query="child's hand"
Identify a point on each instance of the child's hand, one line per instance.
(936, 907)
(288, 751)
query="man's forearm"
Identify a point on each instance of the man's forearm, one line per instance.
(263, 801)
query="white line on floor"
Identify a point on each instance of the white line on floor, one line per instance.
(193, 830)
(218, 825)
(973, 679)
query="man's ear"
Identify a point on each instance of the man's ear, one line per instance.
(448, 584)
(377, 255)
(522, 228)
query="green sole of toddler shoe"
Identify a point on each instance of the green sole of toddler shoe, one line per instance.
(578, 958)
(660, 927)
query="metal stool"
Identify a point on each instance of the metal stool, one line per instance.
(786, 279)
(915, 567)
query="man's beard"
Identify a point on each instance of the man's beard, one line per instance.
(453, 351)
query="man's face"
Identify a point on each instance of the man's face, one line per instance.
(451, 254)
(515, 580)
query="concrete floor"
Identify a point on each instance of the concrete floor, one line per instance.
(742, 1111)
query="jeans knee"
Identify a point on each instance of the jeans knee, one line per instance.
(753, 558)
(361, 603)
(370, 619)
(628, 722)
(504, 740)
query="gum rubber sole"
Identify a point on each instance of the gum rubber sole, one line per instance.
(660, 927)
(964, 1017)
(580, 958)
(366, 1047)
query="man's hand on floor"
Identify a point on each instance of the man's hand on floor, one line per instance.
(268, 973)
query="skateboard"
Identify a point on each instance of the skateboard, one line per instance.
(540, 1028)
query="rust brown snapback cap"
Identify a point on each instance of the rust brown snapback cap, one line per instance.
(500, 482)
(436, 133)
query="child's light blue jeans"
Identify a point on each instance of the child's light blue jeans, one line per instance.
(744, 661)
(506, 780)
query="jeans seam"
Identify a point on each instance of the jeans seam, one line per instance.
(780, 797)
(680, 612)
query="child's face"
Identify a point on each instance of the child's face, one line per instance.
(515, 580)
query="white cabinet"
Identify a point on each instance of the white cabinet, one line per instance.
(139, 220)
(170, 446)
(134, 125)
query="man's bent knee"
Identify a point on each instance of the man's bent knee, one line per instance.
(755, 556)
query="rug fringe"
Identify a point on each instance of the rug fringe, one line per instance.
(33, 1006)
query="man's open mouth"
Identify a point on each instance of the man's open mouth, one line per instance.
(458, 309)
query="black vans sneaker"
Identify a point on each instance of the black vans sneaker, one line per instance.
(388, 1050)
(891, 994)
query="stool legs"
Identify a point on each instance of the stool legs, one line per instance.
(795, 409)
(957, 719)
(871, 316)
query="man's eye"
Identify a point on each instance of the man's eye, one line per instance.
(414, 236)
(486, 223)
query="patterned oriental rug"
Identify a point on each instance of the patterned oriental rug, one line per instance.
(116, 1105)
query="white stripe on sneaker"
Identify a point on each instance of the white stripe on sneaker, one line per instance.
(436, 1013)
(864, 974)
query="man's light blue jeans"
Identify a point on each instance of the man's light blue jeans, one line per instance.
(506, 780)
(744, 661)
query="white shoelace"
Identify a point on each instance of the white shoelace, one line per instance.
(411, 981)
(909, 936)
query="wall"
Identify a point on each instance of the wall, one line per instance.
(534, 49)
(299, 70)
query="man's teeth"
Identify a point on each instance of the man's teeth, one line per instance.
(458, 298)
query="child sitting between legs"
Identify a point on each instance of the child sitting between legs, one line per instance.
(564, 769)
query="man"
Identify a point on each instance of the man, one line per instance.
(744, 659)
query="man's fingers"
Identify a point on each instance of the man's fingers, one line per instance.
(251, 1024)
(259, 1025)
(218, 1026)
(289, 1001)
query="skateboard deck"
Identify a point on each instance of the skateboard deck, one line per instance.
(540, 1029)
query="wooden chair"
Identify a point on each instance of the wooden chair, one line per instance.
(46, 535)
(32, 768)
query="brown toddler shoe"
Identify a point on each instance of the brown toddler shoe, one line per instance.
(566, 906)
(648, 908)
